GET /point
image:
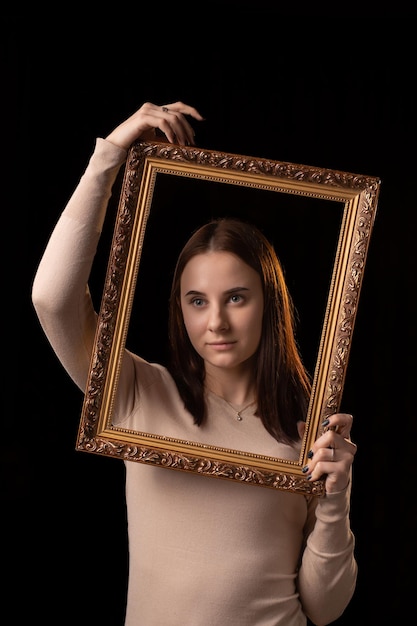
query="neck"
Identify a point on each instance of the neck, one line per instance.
(238, 390)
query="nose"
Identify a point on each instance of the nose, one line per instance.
(217, 321)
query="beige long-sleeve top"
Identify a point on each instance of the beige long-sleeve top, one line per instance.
(202, 551)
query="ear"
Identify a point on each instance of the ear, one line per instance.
(301, 428)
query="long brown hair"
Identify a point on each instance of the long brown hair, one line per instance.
(283, 385)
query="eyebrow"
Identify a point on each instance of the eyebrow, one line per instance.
(193, 292)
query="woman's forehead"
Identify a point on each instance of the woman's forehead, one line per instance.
(217, 268)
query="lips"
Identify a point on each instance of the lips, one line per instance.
(222, 345)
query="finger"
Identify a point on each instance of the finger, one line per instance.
(176, 133)
(176, 127)
(330, 439)
(341, 449)
(185, 109)
(330, 447)
(334, 467)
(340, 423)
(174, 114)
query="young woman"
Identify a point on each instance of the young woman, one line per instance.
(206, 552)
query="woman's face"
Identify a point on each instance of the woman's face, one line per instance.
(222, 305)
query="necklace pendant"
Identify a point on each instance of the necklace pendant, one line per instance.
(238, 417)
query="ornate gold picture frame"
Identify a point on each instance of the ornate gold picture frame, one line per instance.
(319, 221)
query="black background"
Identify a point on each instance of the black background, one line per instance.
(335, 92)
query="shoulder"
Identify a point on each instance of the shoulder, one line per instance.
(148, 377)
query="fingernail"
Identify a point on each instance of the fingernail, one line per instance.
(326, 422)
(310, 454)
(305, 469)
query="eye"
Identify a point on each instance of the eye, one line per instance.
(198, 302)
(236, 298)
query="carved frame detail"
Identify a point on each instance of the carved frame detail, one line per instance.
(359, 195)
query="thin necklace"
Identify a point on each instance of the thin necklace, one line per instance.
(238, 415)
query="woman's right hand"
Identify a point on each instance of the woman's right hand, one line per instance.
(170, 119)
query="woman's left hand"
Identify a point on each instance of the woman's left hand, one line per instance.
(332, 453)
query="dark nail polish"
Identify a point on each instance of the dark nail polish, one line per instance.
(305, 469)
(310, 454)
(326, 422)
